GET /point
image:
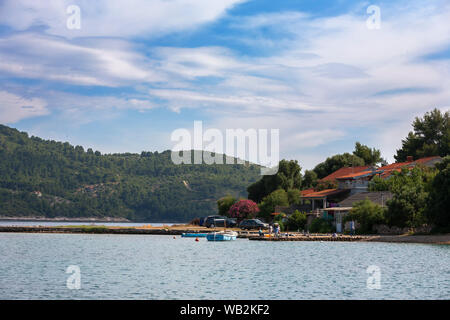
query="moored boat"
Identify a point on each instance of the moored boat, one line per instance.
(221, 236)
(193, 235)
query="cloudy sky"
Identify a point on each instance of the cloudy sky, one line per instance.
(136, 70)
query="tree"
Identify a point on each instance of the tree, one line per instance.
(379, 184)
(431, 137)
(293, 196)
(336, 162)
(367, 214)
(288, 177)
(142, 187)
(410, 193)
(224, 204)
(277, 198)
(370, 156)
(405, 209)
(296, 221)
(309, 179)
(438, 210)
(244, 209)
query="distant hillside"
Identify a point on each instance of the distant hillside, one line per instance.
(54, 179)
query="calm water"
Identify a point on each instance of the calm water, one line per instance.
(32, 266)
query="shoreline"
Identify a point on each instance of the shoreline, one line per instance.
(183, 228)
(406, 238)
(88, 219)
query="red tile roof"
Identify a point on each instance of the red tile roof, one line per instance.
(387, 173)
(323, 193)
(354, 172)
(426, 159)
(343, 172)
(305, 192)
(396, 165)
(359, 174)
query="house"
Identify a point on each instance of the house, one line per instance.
(379, 198)
(352, 186)
(343, 172)
(324, 198)
(344, 207)
(357, 182)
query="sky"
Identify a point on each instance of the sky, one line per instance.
(135, 71)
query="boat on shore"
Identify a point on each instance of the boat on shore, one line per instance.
(222, 236)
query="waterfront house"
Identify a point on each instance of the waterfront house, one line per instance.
(352, 185)
(337, 214)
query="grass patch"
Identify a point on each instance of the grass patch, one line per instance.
(87, 228)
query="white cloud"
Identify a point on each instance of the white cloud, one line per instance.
(105, 63)
(113, 18)
(329, 76)
(14, 108)
(322, 82)
(315, 138)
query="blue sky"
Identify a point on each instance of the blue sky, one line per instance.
(137, 70)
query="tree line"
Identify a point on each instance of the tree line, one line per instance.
(48, 178)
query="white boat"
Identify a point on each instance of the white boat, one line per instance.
(222, 236)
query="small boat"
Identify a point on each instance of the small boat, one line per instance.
(221, 236)
(193, 235)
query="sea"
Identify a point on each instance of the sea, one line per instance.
(98, 266)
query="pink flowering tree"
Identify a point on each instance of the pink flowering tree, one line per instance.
(243, 209)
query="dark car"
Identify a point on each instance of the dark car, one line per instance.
(202, 221)
(219, 221)
(253, 224)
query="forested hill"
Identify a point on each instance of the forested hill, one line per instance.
(54, 179)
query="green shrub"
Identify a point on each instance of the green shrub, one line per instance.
(320, 225)
(277, 198)
(296, 221)
(438, 203)
(367, 214)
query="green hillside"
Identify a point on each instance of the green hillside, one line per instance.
(54, 179)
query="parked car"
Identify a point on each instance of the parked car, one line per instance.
(253, 224)
(202, 221)
(219, 221)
